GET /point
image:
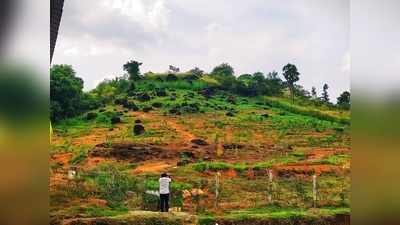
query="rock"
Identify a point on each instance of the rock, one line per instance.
(91, 115)
(232, 146)
(143, 97)
(198, 141)
(115, 119)
(138, 121)
(138, 129)
(121, 101)
(230, 114)
(161, 93)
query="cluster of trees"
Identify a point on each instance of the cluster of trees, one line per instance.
(68, 98)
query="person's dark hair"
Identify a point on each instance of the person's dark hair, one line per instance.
(164, 175)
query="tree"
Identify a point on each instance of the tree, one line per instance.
(132, 67)
(223, 70)
(343, 101)
(292, 76)
(65, 92)
(314, 92)
(224, 75)
(274, 84)
(325, 95)
(196, 72)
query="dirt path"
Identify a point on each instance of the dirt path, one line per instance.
(185, 135)
(170, 122)
(153, 167)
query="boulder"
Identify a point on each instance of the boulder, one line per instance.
(230, 114)
(199, 141)
(161, 93)
(143, 97)
(138, 129)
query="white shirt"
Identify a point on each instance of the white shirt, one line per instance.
(164, 185)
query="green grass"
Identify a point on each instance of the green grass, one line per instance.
(79, 157)
(273, 213)
(334, 160)
(307, 111)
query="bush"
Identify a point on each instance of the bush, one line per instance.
(157, 104)
(171, 77)
(130, 104)
(91, 115)
(147, 108)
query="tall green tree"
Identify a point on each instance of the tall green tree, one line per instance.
(224, 74)
(133, 69)
(292, 76)
(274, 84)
(343, 101)
(325, 95)
(65, 92)
(223, 70)
(314, 92)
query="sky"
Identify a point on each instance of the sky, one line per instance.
(98, 36)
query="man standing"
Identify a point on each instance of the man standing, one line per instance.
(164, 181)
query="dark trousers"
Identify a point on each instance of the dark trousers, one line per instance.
(164, 202)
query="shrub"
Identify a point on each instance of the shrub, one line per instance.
(171, 77)
(91, 115)
(130, 104)
(78, 158)
(112, 184)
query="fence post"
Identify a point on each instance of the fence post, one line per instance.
(217, 176)
(270, 178)
(314, 191)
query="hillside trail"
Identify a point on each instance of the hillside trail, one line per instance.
(153, 167)
(184, 134)
(184, 137)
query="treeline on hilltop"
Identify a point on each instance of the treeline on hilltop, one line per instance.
(68, 98)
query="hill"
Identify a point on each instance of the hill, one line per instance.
(231, 156)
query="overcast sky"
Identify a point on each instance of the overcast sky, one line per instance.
(98, 36)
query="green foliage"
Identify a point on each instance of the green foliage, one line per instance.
(307, 111)
(325, 95)
(292, 76)
(65, 92)
(112, 184)
(132, 67)
(78, 158)
(343, 101)
(213, 166)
